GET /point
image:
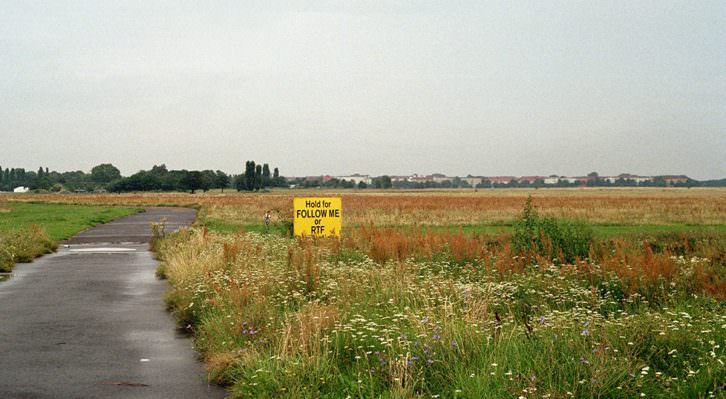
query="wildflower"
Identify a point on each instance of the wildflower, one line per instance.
(585, 333)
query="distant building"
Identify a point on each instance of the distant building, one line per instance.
(500, 179)
(672, 179)
(439, 178)
(530, 179)
(551, 180)
(21, 189)
(626, 177)
(578, 179)
(473, 180)
(398, 179)
(415, 178)
(356, 178)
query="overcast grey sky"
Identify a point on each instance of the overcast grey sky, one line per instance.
(397, 87)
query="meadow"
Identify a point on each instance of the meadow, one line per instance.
(670, 208)
(454, 294)
(31, 229)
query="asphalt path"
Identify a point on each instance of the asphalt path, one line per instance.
(89, 321)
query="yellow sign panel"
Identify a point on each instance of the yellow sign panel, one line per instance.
(318, 217)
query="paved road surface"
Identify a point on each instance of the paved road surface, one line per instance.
(89, 321)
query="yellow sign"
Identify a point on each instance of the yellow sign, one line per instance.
(318, 217)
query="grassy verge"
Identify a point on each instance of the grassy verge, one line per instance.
(28, 230)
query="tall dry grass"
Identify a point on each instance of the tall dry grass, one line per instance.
(24, 245)
(382, 313)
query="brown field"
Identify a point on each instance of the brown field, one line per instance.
(626, 206)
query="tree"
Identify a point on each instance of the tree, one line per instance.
(192, 180)
(258, 177)
(209, 180)
(386, 182)
(221, 180)
(105, 173)
(240, 182)
(250, 175)
(266, 181)
(159, 169)
(42, 180)
(277, 180)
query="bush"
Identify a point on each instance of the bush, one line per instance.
(23, 246)
(561, 239)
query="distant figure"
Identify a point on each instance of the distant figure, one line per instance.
(268, 217)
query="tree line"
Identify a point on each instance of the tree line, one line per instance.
(44, 179)
(107, 177)
(159, 178)
(258, 177)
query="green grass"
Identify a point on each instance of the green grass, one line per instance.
(29, 229)
(221, 226)
(600, 230)
(60, 221)
(231, 227)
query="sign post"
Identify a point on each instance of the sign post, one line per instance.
(318, 217)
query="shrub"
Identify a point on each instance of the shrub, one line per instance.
(561, 239)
